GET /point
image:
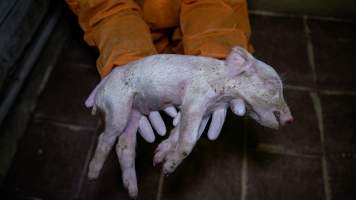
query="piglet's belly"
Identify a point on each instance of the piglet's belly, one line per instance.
(158, 95)
(146, 103)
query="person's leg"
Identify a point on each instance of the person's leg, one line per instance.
(241, 11)
(161, 14)
(116, 28)
(161, 40)
(213, 27)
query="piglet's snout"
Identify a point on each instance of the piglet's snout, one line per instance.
(286, 118)
(283, 118)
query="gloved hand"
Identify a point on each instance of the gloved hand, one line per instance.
(218, 118)
(154, 118)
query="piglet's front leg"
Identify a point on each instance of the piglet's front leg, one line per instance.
(193, 110)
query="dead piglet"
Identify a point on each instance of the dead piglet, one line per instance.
(199, 86)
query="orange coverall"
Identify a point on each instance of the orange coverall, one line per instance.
(126, 30)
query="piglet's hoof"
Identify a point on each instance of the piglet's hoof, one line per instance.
(171, 163)
(130, 183)
(94, 171)
(161, 152)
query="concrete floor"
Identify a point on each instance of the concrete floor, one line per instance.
(314, 158)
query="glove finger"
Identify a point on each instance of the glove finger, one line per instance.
(171, 111)
(176, 120)
(238, 107)
(203, 125)
(217, 123)
(157, 123)
(146, 130)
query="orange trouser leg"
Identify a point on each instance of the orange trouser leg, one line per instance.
(161, 14)
(116, 28)
(212, 27)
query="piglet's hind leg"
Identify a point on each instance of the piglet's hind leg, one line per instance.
(116, 118)
(125, 150)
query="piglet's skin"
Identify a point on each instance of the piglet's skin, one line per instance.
(199, 87)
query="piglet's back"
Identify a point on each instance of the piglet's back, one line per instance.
(171, 67)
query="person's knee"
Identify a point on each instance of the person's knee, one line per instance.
(213, 27)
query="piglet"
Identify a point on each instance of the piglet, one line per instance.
(199, 87)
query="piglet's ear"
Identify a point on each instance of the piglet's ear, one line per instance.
(238, 61)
